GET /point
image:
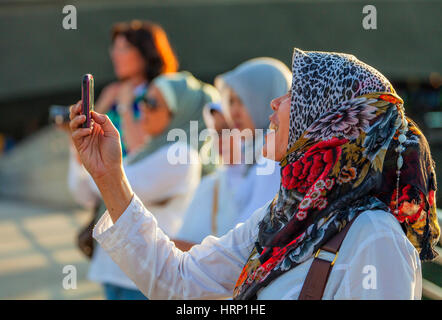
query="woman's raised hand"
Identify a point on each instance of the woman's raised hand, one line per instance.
(99, 149)
(99, 146)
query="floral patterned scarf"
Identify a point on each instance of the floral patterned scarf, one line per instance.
(351, 149)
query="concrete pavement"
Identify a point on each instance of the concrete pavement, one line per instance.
(36, 242)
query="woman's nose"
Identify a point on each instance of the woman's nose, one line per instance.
(235, 110)
(274, 104)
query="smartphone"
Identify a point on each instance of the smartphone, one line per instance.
(87, 97)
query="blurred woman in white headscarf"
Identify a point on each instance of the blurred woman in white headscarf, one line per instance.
(240, 185)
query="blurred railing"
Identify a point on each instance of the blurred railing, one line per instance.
(432, 273)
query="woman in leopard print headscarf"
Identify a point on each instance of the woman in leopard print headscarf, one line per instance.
(342, 160)
(348, 154)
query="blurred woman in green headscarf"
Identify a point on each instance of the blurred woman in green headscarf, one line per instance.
(172, 101)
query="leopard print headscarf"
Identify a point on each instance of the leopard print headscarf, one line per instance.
(322, 80)
(349, 138)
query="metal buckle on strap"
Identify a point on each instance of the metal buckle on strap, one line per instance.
(327, 256)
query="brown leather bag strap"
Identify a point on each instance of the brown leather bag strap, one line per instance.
(317, 276)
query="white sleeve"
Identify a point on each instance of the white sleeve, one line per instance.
(155, 178)
(386, 266)
(162, 271)
(81, 184)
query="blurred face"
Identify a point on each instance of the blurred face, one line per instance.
(239, 115)
(127, 60)
(219, 121)
(277, 139)
(226, 143)
(155, 115)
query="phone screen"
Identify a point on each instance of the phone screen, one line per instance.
(87, 97)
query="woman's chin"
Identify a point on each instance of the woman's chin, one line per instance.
(268, 149)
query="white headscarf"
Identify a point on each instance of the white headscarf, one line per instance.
(257, 82)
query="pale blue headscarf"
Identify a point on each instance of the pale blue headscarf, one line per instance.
(257, 82)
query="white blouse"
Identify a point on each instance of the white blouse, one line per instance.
(239, 194)
(376, 260)
(199, 218)
(155, 180)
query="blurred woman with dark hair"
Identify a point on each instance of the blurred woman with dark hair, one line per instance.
(140, 52)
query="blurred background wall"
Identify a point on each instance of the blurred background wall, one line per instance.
(41, 63)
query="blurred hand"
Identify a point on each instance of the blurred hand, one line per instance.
(107, 97)
(98, 146)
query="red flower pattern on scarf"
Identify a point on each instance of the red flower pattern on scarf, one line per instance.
(315, 164)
